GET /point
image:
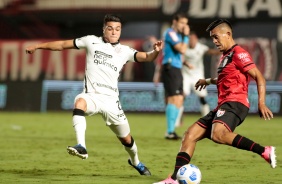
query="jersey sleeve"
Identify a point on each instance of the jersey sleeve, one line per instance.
(131, 54)
(244, 61)
(84, 41)
(172, 37)
(205, 48)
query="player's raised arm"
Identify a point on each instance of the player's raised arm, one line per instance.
(264, 112)
(152, 55)
(54, 46)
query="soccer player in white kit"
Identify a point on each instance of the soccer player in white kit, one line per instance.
(105, 57)
(194, 58)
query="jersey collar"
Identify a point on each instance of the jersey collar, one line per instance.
(230, 49)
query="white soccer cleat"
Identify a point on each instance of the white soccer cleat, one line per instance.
(269, 155)
(78, 151)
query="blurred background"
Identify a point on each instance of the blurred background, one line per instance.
(48, 81)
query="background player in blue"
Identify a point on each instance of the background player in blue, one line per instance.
(175, 44)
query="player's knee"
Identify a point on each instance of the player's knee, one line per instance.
(219, 136)
(189, 136)
(80, 104)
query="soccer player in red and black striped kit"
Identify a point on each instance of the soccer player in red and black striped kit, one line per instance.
(234, 71)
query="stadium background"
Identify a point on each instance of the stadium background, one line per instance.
(50, 80)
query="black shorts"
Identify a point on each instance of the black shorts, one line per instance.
(231, 114)
(172, 80)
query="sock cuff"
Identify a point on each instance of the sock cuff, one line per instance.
(78, 112)
(236, 140)
(131, 143)
(184, 156)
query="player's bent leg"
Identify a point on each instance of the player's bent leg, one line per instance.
(222, 135)
(193, 134)
(131, 148)
(122, 133)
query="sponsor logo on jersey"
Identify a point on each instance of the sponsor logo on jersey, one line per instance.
(220, 112)
(173, 36)
(244, 57)
(105, 86)
(101, 59)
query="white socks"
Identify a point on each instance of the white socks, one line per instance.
(79, 125)
(179, 117)
(133, 154)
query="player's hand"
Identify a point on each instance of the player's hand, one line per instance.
(201, 84)
(158, 46)
(264, 112)
(30, 49)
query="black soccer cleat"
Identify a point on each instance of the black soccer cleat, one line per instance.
(78, 151)
(172, 136)
(141, 168)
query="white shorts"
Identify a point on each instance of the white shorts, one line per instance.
(189, 82)
(110, 109)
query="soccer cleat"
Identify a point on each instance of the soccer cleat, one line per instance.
(78, 151)
(172, 136)
(141, 168)
(169, 180)
(269, 155)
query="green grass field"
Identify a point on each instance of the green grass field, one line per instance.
(33, 150)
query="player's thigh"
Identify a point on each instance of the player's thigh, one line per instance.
(231, 115)
(112, 111)
(92, 104)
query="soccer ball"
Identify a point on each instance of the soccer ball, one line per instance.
(189, 174)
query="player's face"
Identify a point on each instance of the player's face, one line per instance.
(112, 31)
(180, 24)
(220, 38)
(193, 40)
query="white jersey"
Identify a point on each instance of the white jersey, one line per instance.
(195, 57)
(104, 63)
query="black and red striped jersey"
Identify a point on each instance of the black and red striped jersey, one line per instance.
(233, 79)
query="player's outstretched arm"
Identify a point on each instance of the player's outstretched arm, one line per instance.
(152, 55)
(54, 46)
(264, 112)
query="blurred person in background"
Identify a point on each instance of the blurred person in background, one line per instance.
(176, 40)
(235, 69)
(105, 57)
(194, 70)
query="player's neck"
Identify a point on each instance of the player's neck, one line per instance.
(230, 48)
(107, 41)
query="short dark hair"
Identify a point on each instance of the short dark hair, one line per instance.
(112, 18)
(179, 16)
(218, 22)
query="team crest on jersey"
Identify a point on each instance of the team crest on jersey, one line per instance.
(220, 112)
